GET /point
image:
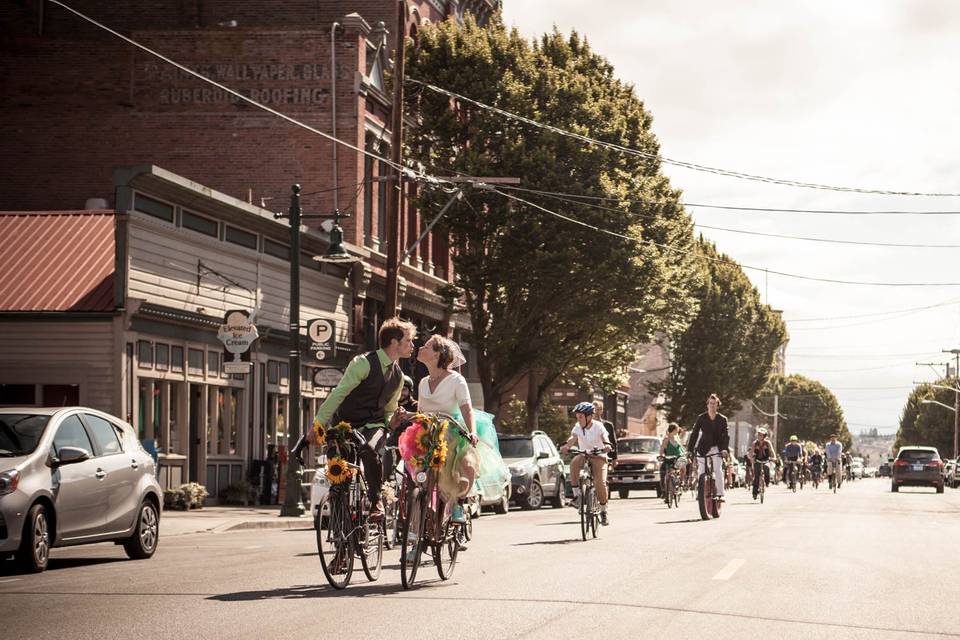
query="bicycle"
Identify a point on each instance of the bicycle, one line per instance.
(761, 479)
(792, 474)
(835, 475)
(347, 532)
(435, 531)
(671, 480)
(707, 498)
(589, 504)
(803, 475)
(815, 477)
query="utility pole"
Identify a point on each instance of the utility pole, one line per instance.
(396, 156)
(776, 421)
(956, 398)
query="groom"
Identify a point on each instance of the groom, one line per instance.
(366, 395)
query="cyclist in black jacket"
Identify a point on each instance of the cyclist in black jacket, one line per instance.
(611, 431)
(710, 437)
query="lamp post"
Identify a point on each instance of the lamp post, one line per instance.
(956, 400)
(292, 503)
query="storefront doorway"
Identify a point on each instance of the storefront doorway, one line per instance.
(196, 471)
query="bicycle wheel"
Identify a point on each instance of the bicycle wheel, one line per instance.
(594, 512)
(335, 540)
(370, 543)
(446, 549)
(467, 528)
(669, 490)
(676, 494)
(716, 503)
(584, 511)
(704, 496)
(763, 486)
(408, 547)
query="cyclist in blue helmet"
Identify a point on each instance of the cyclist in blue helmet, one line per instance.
(589, 434)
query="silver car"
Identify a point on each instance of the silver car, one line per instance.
(72, 475)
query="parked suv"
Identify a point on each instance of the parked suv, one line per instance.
(917, 466)
(71, 476)
(535, 468)
(637, 466)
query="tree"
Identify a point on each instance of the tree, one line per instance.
(549, 299)
(728, 348)
(553, 420)
(928, 424)
(808, 410)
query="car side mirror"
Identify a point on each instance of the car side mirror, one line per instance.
(543, 455)
(70, 455)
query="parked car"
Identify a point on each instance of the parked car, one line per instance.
(885, 469)
(917, 466)
(856, 469)
(536, 469)
(950, 473)
(637, 466)
(869, 472)
(73, 475)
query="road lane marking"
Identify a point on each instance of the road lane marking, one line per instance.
(10, 580)
(256, 546)
(727, 572)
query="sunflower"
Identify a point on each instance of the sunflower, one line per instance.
(437, 460)
(320, 434)
(338, 471)
(344, 426)
(423, 440)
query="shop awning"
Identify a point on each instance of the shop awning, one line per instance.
(57, 261)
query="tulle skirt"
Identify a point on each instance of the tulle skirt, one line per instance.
(483, 462)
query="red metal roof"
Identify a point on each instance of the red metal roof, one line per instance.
(57, 260)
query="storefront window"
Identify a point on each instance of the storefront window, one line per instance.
(148, 414)
(213, 363)
(162, 357)
(195, 362)
(236, 404)
(176, 359)
(145, 354)
(175, 426)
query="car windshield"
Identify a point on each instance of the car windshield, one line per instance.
(516, 448)
(918, 455)
(20, 433)
(638, 445)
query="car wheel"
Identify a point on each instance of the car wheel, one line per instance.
(659, 491)
(534, 497)
(939, 488)
(34, 552)
(894, 487)
(557, 500)
(504, 505)
(146, 533)
(623, 493)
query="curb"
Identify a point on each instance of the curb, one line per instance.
(302, 524)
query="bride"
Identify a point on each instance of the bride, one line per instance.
(446, 391)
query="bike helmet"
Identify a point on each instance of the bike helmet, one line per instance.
(586, 408)
(407, 381)
(762, 431)
(794, 438)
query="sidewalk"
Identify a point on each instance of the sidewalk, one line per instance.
(220, 519)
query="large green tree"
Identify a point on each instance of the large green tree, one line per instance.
(728, 348)
(550, 299)
(928, 424)
(807, 409)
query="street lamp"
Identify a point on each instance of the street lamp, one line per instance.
(292, 503)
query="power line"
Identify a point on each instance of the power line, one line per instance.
(568, 198)
(878, 313)
(720, 260)
(665, 160)
(740, 208)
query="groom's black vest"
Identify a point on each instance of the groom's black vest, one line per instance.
(365, 404)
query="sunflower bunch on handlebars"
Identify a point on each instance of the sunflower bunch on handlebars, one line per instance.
(424, 444)
(338, 470)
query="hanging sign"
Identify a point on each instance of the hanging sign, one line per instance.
(323, 338)
(237, 333)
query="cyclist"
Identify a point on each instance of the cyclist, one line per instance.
(589, 434)
(611, 431)
(834, 455)
(792, 453)
(759, 454)
(671, 451)
(816, 464)
(366, 395)
(710, 437)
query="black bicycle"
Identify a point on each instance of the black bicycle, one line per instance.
(792, 474)
(760, 479)
(671, 481)
(708, 499)
(343, 525)
(589, 503)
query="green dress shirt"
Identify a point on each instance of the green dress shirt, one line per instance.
(356, 372)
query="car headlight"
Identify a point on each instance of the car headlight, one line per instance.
(518, 470)
(9, 481)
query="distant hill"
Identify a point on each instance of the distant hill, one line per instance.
(874, 447)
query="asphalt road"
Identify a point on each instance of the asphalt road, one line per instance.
(864, 563)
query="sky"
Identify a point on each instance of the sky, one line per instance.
(860, 93)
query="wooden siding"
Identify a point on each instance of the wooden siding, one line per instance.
(163, 268)
(72, 352)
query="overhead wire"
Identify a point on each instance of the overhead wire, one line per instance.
(666, 160)
(720, 260)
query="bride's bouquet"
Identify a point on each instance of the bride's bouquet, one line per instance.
(423, 445)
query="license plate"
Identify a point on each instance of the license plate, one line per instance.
(917, 467)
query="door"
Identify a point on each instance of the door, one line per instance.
(548, 472)
(123, 471)
(79, 499)
(195, 472)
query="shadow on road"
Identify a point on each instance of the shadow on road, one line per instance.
(300, 592)
(527, 544)
(10, 568)
(679, 521)
(553, 524)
